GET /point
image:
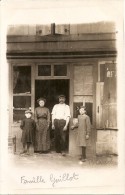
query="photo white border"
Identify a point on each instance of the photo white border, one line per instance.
(16, 12)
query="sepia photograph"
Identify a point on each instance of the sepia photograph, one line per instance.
(62, 83)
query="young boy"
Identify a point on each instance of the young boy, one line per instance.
(28, 127)
(84, 127)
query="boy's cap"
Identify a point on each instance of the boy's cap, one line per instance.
(61, 96)
(83, 107)
(41, 99)
(28, 111)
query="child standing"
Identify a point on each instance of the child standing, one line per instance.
(84, 127)
(28, 127)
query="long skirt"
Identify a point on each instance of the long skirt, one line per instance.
(27, 136)
(42, 136)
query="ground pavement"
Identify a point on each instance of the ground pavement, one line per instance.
(52, 171)
(53, 159)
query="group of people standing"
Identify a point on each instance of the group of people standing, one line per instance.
(36, 131)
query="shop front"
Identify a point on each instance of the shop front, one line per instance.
(46, 62)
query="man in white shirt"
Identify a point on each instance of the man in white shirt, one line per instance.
(60, 121)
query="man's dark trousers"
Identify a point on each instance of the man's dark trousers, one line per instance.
(60, 135)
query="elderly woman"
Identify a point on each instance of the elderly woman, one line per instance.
(42, 118)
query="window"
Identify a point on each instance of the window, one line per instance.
(21, 91)
(60, 70)
(20, 102)
(88, 105)
(44, 70)
(21, 79)
(52, 70)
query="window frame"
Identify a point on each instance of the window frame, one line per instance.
(52, 71)
(21, 94)
(44, 75)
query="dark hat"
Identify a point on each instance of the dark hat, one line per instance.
(83, 107)
(43, 99)
(61, 96)
(28, 111)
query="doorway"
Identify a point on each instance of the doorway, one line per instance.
(50, 90)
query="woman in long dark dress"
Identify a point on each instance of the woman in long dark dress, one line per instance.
(42, 118)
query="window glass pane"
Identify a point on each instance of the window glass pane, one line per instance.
(102, 72)
(88, 105)
(110, 83)
(18, 115)
(44, 70)
(21, 102)
(60, 70)
(21, 79)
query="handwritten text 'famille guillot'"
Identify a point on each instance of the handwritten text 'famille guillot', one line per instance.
(53, 179)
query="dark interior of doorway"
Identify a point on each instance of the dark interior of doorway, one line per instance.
(51, 89)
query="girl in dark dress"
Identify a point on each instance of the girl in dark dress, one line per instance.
(42, 118)
(28, 131)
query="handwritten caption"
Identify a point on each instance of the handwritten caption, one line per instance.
(52, 179)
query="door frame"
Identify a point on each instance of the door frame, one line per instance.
(69, 77)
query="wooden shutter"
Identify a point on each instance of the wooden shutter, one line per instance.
(63, 29)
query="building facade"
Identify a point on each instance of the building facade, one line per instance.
(78, 60)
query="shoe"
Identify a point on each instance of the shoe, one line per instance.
(27, 153)
(83, 160)
(80, 162)
(63, 154)
(58, 151)
(23, 152)
(80, 158)
(45, 152)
